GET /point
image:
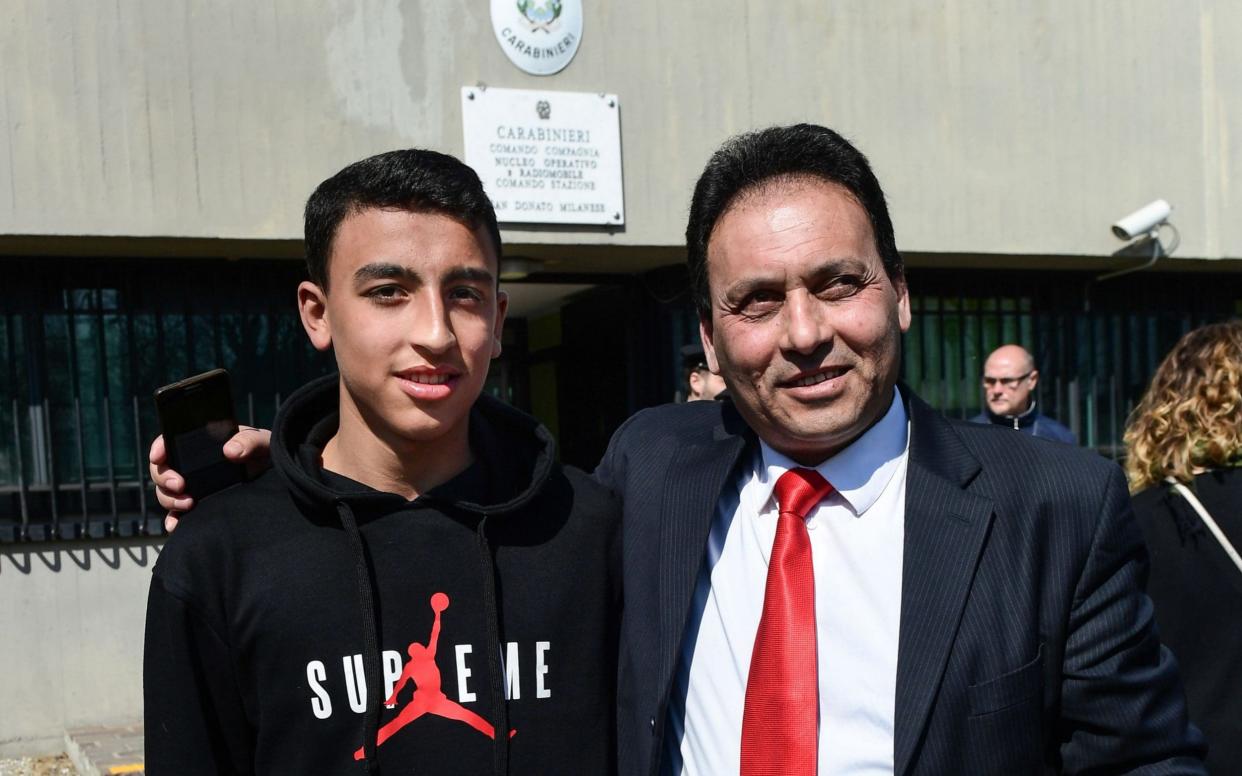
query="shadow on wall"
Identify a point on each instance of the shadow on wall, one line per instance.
(141, 553)
(72, 620)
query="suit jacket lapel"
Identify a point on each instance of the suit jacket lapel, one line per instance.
(946, 528)
(696, 476)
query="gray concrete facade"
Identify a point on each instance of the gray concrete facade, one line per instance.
(998, 127)
(1006, 134)
(71, 634)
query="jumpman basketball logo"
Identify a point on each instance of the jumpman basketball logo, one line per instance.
(428, 697)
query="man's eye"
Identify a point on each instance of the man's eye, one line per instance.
(842, 286)
(760, 302)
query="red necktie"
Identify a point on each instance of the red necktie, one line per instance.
(780, 724)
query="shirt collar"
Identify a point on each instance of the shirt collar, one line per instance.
(1024, 417)
(859, 473)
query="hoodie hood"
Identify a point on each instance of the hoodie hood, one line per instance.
(514, 450)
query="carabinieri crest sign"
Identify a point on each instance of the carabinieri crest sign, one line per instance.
(540, 13)
(539, 36)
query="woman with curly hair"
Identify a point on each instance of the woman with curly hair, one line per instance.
(1184, 461)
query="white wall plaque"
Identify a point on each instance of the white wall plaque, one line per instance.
(539, 36)
(546, 157)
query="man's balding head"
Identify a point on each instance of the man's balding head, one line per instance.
(1009, 380)
(1010, 355)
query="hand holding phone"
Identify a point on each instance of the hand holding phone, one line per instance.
(196, 419)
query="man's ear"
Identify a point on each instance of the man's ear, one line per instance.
(709, 349)
(502, 308)
(903, 303)
(1034, 378)
(313, 309)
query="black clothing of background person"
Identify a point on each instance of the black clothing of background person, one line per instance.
(1197, 592)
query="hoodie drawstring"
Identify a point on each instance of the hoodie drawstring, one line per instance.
(500, 710)
(371, 668)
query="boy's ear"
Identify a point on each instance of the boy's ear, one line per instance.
(313, 309)
(502, 307)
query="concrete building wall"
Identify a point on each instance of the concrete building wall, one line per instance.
(71, 633)
(997, 127)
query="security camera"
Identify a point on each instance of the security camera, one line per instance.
(1146, 223)
(1143, 221)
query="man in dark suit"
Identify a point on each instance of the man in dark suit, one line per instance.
(823, 575)
(926, 597)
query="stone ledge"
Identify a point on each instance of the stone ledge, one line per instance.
(106, 751)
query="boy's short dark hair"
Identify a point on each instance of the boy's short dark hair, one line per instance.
(754, 159)
(413, 179)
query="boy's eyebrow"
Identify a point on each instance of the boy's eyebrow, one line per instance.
(382, 270)
(472, 274)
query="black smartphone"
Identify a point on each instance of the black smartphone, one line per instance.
(196, 419)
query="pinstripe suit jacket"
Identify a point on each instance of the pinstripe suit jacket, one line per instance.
(1025, 644)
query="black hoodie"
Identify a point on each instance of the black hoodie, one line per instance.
(279, 602)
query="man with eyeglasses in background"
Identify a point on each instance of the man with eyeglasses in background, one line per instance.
(1009, 380)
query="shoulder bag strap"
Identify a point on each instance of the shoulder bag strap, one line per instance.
(1207, 520)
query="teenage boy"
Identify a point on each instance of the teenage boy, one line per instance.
(417, 586)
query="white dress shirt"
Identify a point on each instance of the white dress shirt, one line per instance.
(857, 537)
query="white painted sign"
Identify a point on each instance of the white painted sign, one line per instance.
(546, 157)
(539, 36)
